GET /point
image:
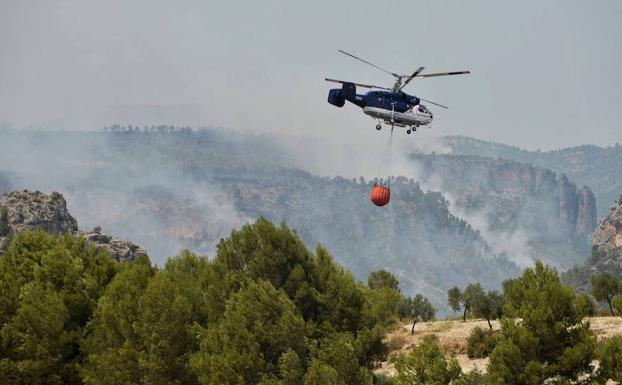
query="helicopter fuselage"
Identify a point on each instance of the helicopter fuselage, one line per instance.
(392, 107)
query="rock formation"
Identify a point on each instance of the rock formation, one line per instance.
(119, 249)
(606, 251)
(586, 219)
(607, 239)
(529, 212)
(29, 211)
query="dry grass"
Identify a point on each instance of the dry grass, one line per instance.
(453, 334)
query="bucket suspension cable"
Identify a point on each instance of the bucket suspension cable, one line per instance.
(384, 167)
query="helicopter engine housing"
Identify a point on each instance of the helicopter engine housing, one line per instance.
(335, 97)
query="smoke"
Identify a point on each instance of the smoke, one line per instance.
(140, 197)
(495, 197)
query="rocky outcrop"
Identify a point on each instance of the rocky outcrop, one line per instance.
(607, 239)
(29, 211)
(606, 251)
(121, 250)
(586, 219)
(568, 198)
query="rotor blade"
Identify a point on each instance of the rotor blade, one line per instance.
(436, 104)
(444, 74)
(371, 64)
(411, 77)
(357, 84)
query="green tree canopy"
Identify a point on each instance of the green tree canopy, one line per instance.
(464, 300)
(488, 306)
(455, 302)
(421, 309)
(48, 289)
(543, 336)
(609, 356)
(604, 287)
(382, 279)
(259, 326)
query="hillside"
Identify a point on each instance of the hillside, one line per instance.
(170, 188)
(524, 211)
(453, 334)
(597, 167)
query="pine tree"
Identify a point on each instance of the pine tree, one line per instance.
(543, 336)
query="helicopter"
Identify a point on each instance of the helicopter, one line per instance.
(391, 106)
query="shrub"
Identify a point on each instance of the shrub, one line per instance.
(382, 379)
(585, 305)
(609, 354)
(480, 343)
(397, 342)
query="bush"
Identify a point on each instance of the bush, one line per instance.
(397, 342)
(480, 343)
(382, 379)
(609, 354)
(474, 377)
(585, 305)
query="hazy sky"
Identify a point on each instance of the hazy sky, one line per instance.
(545, 74)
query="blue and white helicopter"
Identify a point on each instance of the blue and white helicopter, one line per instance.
(389, 105)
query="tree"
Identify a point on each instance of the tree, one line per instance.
(426, 365)
(320, 373)
(37, 334)
(113, 344)
(543, 335)
(605, 287)
(585, 305)
(382, 279)
(164, 329)
(617, 303)
(259, 326)
(420, 310)
(49, 286)
(291, 369)
(455, 302)
(464, 300)
(382, 306)
(609, 356)
(488, 306)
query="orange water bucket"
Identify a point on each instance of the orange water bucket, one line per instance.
(380, 195)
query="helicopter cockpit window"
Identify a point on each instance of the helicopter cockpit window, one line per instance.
(422, 109)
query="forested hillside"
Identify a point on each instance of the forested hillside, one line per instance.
(169, 188)
(525, 211)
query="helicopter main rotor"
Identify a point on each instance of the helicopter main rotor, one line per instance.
(399, 85)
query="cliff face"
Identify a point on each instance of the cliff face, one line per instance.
(587, 211)
(518, 207)
(597, 167)
(606, 250)
(607, 239)
(29, 211)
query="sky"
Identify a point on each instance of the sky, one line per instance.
(544, 74)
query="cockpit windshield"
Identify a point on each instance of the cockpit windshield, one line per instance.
(423, 109)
